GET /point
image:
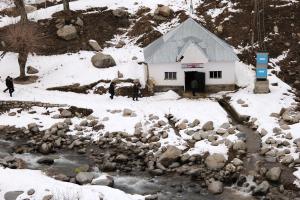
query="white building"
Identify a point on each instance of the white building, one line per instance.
(191, 52)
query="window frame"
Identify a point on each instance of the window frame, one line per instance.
(170, 76)
(215, 74)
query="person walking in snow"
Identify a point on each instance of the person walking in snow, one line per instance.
(111, 89)
(10, 85)
(136, 91)
(194, 86)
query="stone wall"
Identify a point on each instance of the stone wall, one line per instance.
(7, 105)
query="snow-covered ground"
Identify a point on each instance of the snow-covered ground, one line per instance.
(24, 180)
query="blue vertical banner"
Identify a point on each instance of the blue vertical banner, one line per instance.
(262, 59)
(261, 73)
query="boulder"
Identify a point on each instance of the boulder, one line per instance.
(13, 195)
(262, 189)
(33, 127)
(274, 174)
(66, 113)
(239, 145)
(169, 156)
(32, 70)
(31, 192)
(215, 161)
(127, 112)
(215, 187)
(104, 180)
(46, 161)
(84, 177)
(208, 126)
(101, 60)
(45, 148)
(79, 22)
(181, 126)
(94, 44)
(164, 11)
(67, 32)
(120, 13)
(237, 162)
(287, 160)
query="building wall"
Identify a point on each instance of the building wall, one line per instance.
(157, 73)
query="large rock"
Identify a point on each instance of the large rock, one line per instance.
(67, 32)
(32, 70)
(215, 161)
(169, 156)
(239, 145)
(104, 180)
(164, 11)
(262, 188)
(85, 177)
(45, 161)
(13, 195)
(45, 148)
(101, 60)
(215, 187)
(33, 127)
(120, 12)
(94, 44)
(66, 114)
(274, 174)
(208, 126)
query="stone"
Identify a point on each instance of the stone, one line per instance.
(274, 174)
(208, 126)
(169, 156)
(239, 145)
(120, 13)
(101, 60)
(215, 161)
(221, 131)
(31, 192)
(164, 11)
(240, 101)
(104, 180)
(262, 188)
(120, 44)
(225, 126)
(162, 123)
(285, 127)
(66, 113)
(45, 148)
(30, 8)
(215, 187)
(13, 195)
(121, 158)
(261, 87)
(237, 162)
(94, 44)
(197, 136)
(127, 112)
(33, 127)
(220, 29)
(67, 32)
(48, 197)
(287, 160)
(195, 123)
(45, 160)
(84, 177)
(181, 126)
(12, 114)
(152, 197)
(79, 22)
(32, 70)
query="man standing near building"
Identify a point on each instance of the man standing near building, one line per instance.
(194, 86)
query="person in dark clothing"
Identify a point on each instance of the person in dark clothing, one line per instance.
(112, 89)
(136, 91)
(194, 86)
(10, 85)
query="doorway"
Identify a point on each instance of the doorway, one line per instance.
(199, 76)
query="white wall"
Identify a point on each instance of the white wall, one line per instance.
(157, 73)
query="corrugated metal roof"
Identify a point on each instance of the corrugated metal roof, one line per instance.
(168, 47)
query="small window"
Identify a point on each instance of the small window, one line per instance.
(215, 74)
(170, 75)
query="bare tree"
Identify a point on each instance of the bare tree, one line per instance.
(23, 38)
(20, 6)
(66, 5)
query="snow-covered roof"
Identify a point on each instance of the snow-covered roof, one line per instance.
(168, 47)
